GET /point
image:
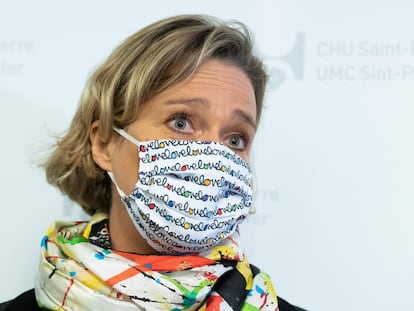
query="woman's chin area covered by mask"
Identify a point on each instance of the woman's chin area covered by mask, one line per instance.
(158, 154)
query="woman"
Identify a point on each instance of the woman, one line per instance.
(157, 153)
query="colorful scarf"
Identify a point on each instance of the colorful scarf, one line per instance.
(79, 271)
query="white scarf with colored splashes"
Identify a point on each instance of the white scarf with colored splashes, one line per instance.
(75, 274)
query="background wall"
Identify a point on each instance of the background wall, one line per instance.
(334, 156)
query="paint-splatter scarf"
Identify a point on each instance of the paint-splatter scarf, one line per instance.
(79, 271)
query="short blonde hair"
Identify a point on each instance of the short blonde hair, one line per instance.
(145, 64)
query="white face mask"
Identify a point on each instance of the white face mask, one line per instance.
(189, 196)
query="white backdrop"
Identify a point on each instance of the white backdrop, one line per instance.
(334, 155)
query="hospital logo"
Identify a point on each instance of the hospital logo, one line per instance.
(289, 65)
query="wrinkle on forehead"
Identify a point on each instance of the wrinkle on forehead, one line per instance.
(231, 77)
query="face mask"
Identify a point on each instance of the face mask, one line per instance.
(190, 195)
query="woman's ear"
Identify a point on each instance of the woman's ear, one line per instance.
(101, 151)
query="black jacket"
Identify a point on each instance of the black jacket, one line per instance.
(27, 302)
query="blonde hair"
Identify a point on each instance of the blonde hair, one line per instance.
(145, 64)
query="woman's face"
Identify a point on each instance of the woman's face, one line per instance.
(217, 104)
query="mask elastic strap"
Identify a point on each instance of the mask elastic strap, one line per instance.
(121, 193)
(127, 136)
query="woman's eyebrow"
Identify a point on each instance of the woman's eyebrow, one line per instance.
(240, 114)
(187, 101)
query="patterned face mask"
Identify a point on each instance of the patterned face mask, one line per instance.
(190, 195)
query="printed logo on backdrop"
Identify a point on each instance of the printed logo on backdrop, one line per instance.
(291, 64)
(14, 55)
(364, 60)
(342, 60)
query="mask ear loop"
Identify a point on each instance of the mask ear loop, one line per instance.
(121, 193)
(131, 139)
(128, 137)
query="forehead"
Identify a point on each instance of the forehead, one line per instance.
(220, 80)
(224, 75)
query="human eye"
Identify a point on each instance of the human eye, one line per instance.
(238, 142)
(179, 122)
